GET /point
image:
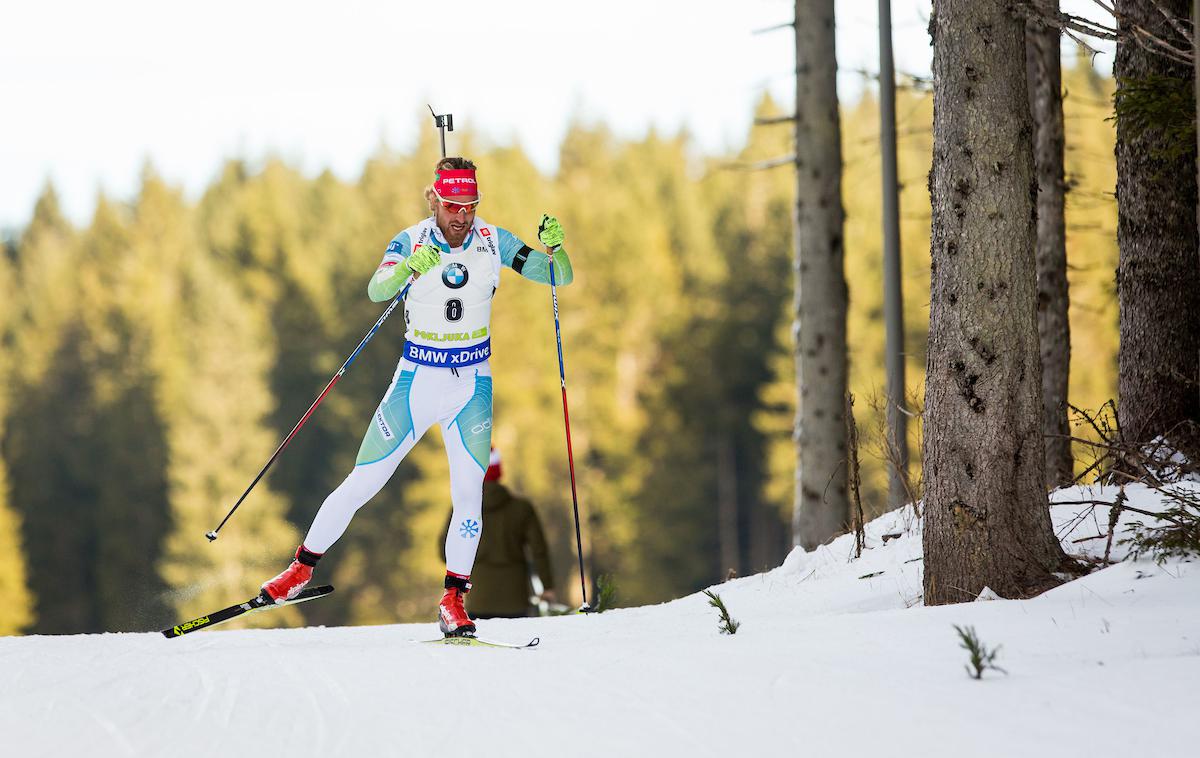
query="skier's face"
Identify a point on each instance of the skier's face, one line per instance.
(455, 219)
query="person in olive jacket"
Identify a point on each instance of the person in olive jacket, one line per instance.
(513, 539)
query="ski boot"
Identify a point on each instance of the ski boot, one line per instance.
(452, 617)
(291, 580)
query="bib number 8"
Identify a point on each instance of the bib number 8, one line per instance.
(454, 309)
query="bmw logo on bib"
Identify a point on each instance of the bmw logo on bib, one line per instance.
(454, 275)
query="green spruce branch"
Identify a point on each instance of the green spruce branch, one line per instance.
(606, 592)
(727, 624)
(982, 658)
(1160, 106)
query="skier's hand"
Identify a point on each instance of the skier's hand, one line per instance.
(423, 258)
(550, 232)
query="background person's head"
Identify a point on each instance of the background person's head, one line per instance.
(493, 470)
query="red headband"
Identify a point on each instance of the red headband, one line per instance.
(455, 181)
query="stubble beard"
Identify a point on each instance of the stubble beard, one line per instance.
(455, 239)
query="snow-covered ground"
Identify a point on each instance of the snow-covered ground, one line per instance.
(835, 657)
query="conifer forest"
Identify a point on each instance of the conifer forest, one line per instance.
(154, 357)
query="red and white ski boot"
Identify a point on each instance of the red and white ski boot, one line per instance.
(292, 579)
(452, 616)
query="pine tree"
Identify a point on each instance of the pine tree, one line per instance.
(86, 458)
(1157, 234)
(15, 597)
(45, 449)
(987, 520)
(896, 440)
(613, 353)
(210, 361)
(128, 468)
(682, 421)
(1043, 68)
(822, 506)
(748, 214)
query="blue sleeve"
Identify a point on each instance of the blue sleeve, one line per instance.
(400, 245)
(511, 246)
(531, 264)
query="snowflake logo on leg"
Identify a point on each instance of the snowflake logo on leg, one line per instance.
(469, 528)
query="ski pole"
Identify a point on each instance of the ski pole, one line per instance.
(562, 376)
(395, 301)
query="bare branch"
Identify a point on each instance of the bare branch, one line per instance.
(788, 25)
(1091, 421)
(1092, 52)
(1125, 30)
(761, 165)
(1119, 504)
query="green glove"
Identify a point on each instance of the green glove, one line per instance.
(424, 258)
(550, 232)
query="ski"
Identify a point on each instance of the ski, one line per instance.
(467, 640)
(258, 603)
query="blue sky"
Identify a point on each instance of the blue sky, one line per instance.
(93, 90)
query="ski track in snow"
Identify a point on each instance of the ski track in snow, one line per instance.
(830, 660)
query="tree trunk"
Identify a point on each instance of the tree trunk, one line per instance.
(893, 293)
(987, 520)
(1157, 272)
(821, 505)
(1043, 66)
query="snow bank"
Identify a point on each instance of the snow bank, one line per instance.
(835, 656)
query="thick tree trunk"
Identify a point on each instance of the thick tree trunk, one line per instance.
(821, 505)
(987, 520)
(1043, 65)
(1157, 288)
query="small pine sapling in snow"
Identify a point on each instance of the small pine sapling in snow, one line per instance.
(982, 658)
(606, 593)
(727, 625)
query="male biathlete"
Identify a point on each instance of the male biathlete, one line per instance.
(443, 376)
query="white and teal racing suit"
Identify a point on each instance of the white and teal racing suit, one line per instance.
(443, 377)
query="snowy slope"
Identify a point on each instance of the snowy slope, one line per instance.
(825, 663)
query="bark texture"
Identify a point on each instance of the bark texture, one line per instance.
(987, 520)
(1157, 288)
(1043, 66)
(821, 505)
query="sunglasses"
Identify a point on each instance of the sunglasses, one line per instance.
(454, 207)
